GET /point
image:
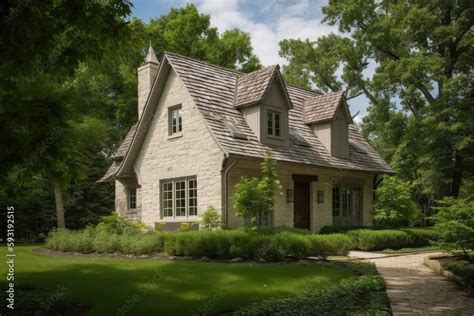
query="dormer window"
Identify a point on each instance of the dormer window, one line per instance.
(175, 119)
(273, 123)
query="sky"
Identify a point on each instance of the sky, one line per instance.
(267, 21)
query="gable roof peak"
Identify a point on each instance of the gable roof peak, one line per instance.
(151, 56)
(322, 108)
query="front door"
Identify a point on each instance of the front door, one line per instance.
(301, 210)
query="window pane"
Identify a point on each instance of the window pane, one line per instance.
(132, 199)
(180, 120)
(180, 197)
(270, 123)
(277, 124)
(168, 199)
(335, 201)
(345, 199)
(192, 197)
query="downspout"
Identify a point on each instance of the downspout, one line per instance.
(225, 204)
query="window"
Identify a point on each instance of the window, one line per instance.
(346, 201)
(179, 198)
(175, 119)
(132, 199)
(168, 199)
(192, 194)
(273, 123)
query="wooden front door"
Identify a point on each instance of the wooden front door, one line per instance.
(301, 208)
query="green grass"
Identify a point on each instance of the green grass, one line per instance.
(167, 287)
(411, 250)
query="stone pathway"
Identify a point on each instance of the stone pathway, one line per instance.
(414, 289)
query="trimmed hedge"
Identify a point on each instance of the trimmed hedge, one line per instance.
(362, 296)
(365, 239)
(222, 244)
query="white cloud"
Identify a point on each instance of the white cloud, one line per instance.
(280, 21)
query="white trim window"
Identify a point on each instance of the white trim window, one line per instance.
(175, 118)
(132, 199)
(179, 198)
(273, 123)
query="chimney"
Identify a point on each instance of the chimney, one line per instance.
(146, 75)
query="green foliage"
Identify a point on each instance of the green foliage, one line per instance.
(211, 219)
(461, 268)
(365, 239)
(394, 206)
(254, 197)
(455, 224)
(338, 229)
(364, 296)
(330, 245)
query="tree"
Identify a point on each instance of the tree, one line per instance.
(211, 219)
(255, 196)
(455, 224)
(420, 117)
(393, 204)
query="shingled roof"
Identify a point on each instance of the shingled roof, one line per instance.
(322, 108)
(217, 91)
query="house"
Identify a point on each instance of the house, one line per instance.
(202, 127)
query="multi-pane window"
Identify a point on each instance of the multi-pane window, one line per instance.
(346, 201)
(132, 199)
(273, 123)
(179, 198)
(175, 120)
(192, 197)
(180, 192)
(167, 199)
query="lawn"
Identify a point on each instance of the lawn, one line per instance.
(140, 286)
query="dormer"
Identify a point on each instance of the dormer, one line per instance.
(264, 102)
(329, 117)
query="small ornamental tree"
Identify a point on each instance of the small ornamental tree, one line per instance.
(211, 219)
(254, 197)
(393, 203)
(455, 224)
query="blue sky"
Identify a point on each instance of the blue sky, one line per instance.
(268, 22)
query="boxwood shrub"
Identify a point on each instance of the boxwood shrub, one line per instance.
(365, 239)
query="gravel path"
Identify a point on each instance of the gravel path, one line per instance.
(414, 289)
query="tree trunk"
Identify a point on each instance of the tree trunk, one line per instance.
(58, 196)
(457, 175)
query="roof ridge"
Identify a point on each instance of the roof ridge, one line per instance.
(262, 69)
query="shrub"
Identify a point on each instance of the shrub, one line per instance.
(462, 269)
(362, 296)
(394, 206)
(116, 224)
(365, 239)
(211, 219)
(338, 229)
(330, 245)
(455, 223)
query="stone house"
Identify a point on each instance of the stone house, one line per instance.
(202, 127)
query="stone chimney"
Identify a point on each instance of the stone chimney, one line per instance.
(146, 75)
